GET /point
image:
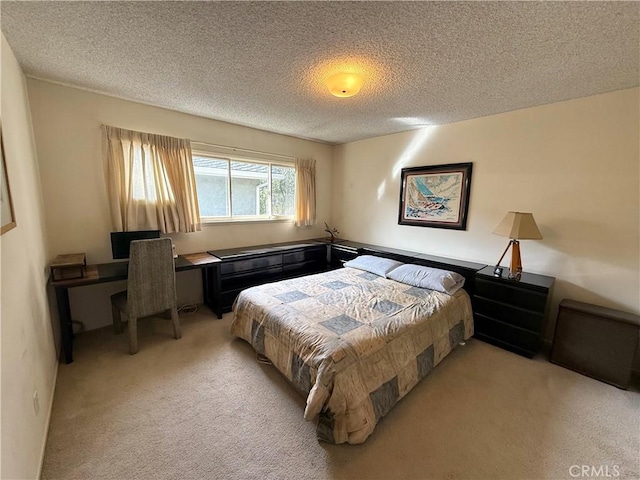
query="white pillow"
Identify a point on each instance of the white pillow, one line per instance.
(426, 277)
(377, 265)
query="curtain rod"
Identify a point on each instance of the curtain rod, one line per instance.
(237, 149)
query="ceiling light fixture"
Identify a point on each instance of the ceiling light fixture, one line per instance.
(344, 84)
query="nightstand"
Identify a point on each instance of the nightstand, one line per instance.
(511, 314)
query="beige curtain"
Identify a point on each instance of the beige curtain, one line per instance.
(305, 192)
(150, 182)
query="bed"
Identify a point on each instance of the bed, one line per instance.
(353, 342)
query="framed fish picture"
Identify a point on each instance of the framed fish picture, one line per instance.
(436, 196)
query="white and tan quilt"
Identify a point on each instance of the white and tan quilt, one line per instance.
(350, 341)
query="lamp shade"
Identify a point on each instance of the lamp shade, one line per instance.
(519, 226)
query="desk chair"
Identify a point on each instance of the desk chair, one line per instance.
(151, 288)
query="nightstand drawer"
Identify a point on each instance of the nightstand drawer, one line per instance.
(517, 337)
(509, 314)
(513, 294)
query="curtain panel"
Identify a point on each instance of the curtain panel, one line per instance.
(305, 192)
(150, 182)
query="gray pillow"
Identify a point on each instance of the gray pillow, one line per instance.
(426, 277)
(377, 265)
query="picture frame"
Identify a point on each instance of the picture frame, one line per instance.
(435, 196)
(7, 215)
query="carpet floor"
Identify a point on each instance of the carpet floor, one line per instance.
(203, 408)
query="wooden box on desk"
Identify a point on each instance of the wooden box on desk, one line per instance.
(68, 266)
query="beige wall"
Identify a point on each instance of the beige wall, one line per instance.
(28, 356)
(574, 164)
(67, 128)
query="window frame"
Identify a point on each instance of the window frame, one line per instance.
(270, 217)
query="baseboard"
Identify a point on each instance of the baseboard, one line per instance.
(48, 422)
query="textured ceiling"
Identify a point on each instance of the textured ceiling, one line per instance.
(262, 64)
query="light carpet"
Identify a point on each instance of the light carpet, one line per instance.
(202, 407)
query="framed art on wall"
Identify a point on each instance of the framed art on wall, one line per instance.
(435, 196)
(7, 217)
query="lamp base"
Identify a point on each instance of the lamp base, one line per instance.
(515, 268)
(516, 276)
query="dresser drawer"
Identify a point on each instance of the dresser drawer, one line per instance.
(512, 294)
(250, 278)
(304, 268)
(233, 285)
(486, 327)
(314, 253)
(255, 263)
(509, 314)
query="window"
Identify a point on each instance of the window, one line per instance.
(243, 189)
(150, 182)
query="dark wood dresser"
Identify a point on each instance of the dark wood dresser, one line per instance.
(511, 314)
(245, 267)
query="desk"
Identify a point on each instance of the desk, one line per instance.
(227, 272)
(112, 272)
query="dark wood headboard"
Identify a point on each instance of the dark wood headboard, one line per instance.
(466, 269)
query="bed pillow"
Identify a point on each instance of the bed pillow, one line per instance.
(426, 277)
(377, 265)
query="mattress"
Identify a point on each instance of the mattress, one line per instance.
(351, 342)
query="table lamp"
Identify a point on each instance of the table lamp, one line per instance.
(516, 226)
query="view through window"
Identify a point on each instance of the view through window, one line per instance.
(234, 188)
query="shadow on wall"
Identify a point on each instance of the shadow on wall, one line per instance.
(582, 252)
(563, 289)
(583, 239)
